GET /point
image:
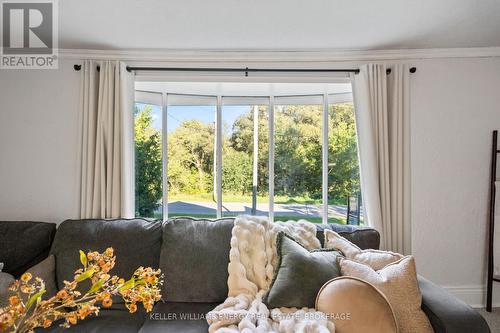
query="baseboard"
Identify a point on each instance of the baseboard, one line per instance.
(474, 295)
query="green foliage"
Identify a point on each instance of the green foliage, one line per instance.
(298, 150)
(241, 140)
(298, 156)
(343, 171)
(237, 172)
(191, 158)
(148, 164)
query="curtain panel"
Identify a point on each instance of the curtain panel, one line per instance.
(383, 130)
(106, 118)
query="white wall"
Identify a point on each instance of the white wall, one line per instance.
(38, 144)
(455, 106)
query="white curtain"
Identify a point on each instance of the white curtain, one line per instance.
(383, 129)
(106, 118)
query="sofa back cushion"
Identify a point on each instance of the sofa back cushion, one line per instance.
(24, 244)
(364, 238)
(136, 243)
(194, 258)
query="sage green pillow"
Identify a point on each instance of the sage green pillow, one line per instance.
(300, 274)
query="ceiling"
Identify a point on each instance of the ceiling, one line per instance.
(278, 24)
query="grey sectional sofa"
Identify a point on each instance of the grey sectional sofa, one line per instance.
(194, 254)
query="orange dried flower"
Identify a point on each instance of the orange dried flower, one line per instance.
(72, 319)
(26, 277)
(62, 294)
(109, 252)
(26, 289)
(6, 318)
(13, 300)
(143, 287)
(132, 307)
(47, 323)
(107, 302)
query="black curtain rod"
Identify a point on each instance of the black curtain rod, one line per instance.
(242, 70)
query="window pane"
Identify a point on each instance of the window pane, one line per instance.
(238, 183)
(343, 166)
(191, 141)
(298, 178)
(148, 160)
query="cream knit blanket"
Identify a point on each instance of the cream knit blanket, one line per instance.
(252, 261)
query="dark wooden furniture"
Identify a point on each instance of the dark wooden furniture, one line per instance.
(491, 240)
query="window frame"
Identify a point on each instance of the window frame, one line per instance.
(162, 100)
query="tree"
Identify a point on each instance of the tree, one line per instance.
(298, 149)
(298, 155)
(343, 171)
(236, 172)
(148, 163)
(191, 157)
(241, 140)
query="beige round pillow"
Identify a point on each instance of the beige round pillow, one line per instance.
(355, 306)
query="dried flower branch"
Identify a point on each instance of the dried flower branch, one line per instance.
(27, 310)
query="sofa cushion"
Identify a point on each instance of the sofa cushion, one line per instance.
(355, 306)
(376, 259)
(6, 281)
(178, 317)
(398, 282)
(194, 258)
(300, 270)
(24, 244)
(108, 321)
(365, 238)
(136, 243)
(46, 270)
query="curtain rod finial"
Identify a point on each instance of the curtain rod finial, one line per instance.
(77, 67)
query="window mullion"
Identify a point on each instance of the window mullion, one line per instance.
(271, 158)
(218, 154)
(255, 158)
(164, 152)
(325, 160)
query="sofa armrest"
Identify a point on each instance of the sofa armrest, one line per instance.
(447, 313)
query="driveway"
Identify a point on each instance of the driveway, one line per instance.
(236, 208)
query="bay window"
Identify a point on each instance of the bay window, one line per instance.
(288, 157)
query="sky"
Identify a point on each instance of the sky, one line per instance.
(206, 114)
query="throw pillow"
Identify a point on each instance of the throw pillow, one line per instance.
(374, 258)
(5, 282)
(299, 274)
(398, 282)
(355, 306)
(46, 270)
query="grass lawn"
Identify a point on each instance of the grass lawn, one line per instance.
(207, 197)
(231, 197)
